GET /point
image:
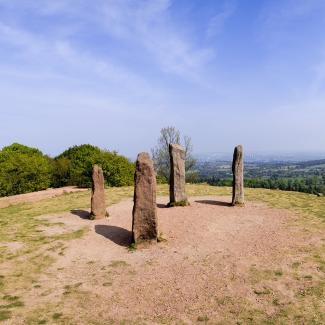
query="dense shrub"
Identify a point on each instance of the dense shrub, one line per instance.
(74, 167)
(118, 170)
(23, 169)
(61, 172)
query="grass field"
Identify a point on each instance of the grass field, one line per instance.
(26, 253)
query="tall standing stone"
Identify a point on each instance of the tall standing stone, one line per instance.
(177, 175)
(98, 206)
(238, 177)
(144, 223)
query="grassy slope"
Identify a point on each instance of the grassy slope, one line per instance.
(19, 223)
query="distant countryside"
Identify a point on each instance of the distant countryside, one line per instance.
(24, 169)
(306, 176)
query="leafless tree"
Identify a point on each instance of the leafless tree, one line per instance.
(160, 153)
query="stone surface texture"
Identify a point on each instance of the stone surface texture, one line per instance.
(98, 206)
(238, 176)
(144, 223)
(177, 174)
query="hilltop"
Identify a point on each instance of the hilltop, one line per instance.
(263, 263)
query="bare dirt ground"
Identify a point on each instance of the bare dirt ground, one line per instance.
(204, 269)
(37, 196)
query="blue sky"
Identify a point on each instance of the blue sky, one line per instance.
(113, 72)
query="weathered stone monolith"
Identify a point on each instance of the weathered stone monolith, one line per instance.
(144, 223)
(238, 177)
(177, 176)
(98, 206)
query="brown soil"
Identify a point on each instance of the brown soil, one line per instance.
(37, 196)
(201, 268)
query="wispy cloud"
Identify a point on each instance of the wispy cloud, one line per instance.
(149, 24)
(290, 33)
(36, 56)
(291, 9)
(277, 17)
(145, 24)
(138, 65)
(217, 22)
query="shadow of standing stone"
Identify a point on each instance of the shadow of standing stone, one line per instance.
(212, 202)
(118, 235)
(83, 214)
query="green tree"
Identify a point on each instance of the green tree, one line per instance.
(118, 170)
(61, 172)
(23, 169)
(76, 163)
(74, 166)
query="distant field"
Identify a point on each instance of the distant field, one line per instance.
(307, 177)
(222, 169)
(58, 268)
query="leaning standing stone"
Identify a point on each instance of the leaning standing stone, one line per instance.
(144, 223)
(238, 177)
(177, 176)
(98, 206)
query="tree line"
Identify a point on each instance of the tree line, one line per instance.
(312, 184)
(24, 169)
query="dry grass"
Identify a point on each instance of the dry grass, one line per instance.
(304, 279)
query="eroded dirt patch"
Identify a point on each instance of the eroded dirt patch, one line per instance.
(12, 246)
(216, 263)
(37, 196)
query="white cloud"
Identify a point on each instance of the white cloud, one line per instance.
(19, 38)
(217, 22)
(149, 24)
(58, 58)
(145, 24)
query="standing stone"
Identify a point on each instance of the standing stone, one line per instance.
(238, 177)
(98, 206)
(177, 175)
(144, 223)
